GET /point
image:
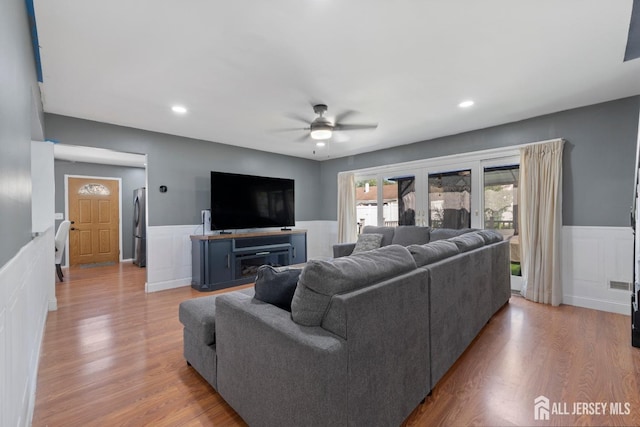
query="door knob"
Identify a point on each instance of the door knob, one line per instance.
(73, 228)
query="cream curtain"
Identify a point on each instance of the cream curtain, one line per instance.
(541, 221)
(347, 227)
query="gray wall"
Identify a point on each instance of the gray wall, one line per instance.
(597, 177)
(184, 166)
(17, 83)
(598, 163)
(132, 178)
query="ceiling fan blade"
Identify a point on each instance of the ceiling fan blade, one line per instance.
(303, 138)
(355, 127)
(340, 117)
(288, 129)
(298, 118)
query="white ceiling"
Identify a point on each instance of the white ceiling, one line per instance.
(247, 69)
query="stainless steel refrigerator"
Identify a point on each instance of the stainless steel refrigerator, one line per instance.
(139, 227)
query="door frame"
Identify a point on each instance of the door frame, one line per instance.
(66, 208)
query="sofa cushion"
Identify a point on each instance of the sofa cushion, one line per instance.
(468, 241)
(276, 285)
(321, 279)
(367, 242)
(198, 316)
(447, 233)
(406, 235)
(432, 252)
(387, 233)
(343, 249)
(490, 236)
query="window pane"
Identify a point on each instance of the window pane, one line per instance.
(366, 203)
(94, 190)
(399, 201)
(501, 199)
(450, 199)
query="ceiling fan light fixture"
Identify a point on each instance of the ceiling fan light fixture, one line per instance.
(321, 133)
(320, 144)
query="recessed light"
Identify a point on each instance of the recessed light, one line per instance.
(466, 104)
(178, 109)
(320, 144)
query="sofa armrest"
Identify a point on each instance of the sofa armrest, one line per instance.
(273, 371)
(343, 249)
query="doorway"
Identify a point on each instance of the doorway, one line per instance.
(93, 207)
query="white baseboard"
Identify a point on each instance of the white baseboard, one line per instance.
(598, 304)
(167, 284)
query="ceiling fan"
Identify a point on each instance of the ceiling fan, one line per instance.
(322, 128)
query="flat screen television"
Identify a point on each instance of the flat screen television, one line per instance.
(248, 201)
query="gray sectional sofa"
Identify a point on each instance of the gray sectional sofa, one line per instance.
(368, 337)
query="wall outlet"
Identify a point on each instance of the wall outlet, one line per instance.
(58, 216)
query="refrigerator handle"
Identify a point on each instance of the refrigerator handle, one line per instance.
(136, 211)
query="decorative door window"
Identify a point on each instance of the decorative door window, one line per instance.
(94, 189)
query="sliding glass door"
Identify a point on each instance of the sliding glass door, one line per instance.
(386, 200)
(474, 192)
(501, 199)
(366, 202)
(500, 203)
(400, 202)
(470, 194)
(450, 199)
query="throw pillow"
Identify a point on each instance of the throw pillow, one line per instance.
(406, 235)
(367, 242)
(276, 285)
(387, 233)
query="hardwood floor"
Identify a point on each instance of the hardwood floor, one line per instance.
(112, 355)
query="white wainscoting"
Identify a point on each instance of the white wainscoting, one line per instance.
(321, 236)
(27, 282)
(591, 258)
(169, 256)
(169, 251)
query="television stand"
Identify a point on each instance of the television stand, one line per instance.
(224, 260)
